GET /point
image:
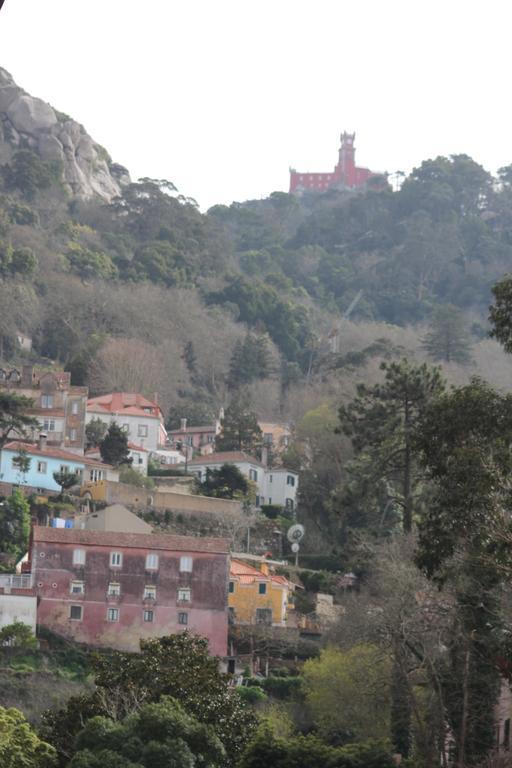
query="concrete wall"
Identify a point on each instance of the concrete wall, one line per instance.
(18, 606)
(123, 493)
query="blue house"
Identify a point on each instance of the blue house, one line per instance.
(44, 461)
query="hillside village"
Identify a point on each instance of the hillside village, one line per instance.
(254, 463)
(99, 502)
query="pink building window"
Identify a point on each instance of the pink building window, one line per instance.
(113, 614)
(75, 612)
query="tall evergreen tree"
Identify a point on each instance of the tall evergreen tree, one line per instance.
(239, 430)
(465, 440)
(249, 361)
(380, 423)
(14, 420)
(447, 339)
(114, 446)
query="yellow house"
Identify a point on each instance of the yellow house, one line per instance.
(257, 596)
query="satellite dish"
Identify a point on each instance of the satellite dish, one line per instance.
(296, 533)
(295, 547)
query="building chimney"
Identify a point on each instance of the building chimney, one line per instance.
(42, 441)
(155, 398)
(27, 375)
(264, 456)
(183, 426)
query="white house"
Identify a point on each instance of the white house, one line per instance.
(141, 419)
(274, 486)
(136, 453)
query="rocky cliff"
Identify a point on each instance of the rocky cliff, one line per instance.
(28, 122)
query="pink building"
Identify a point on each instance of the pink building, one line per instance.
(198, 439)
(112, 589)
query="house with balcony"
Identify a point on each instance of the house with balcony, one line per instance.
(59, 406)
(257, 596)
(44, 460)
(140, 418)
(113, 589)
(197, 439)
(273, 486)
(18, 601)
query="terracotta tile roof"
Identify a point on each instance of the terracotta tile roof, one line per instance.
(225, 457)
(247, 574)
(134, 540)
(190, 430)
(129, 403)
(54, 453)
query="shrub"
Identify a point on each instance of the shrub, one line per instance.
(251, 694)
(18, 635)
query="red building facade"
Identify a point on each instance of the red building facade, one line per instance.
(112, 589)
(345, 173)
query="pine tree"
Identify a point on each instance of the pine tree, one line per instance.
(447, 339)
(380, 423)
(240, 430)
(114, 446)
(249, 361)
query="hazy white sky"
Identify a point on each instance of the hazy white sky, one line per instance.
(222, 96)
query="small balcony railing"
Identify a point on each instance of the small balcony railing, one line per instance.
(16, 581)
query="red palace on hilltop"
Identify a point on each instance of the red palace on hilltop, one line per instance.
(345, 174)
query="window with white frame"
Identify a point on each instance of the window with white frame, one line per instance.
(149, 592)
(184, 595)
(148, 615)
(185, 564)
(151, 562)
(113, 614)
(64, 469)
(79, 557)
(75, 612)
(253, 475)
(72, 434)
(49, 425)
(46, 401)
(114, 589)
(116, 559)
(42, 467)
(74, 407)
(142, 430)
(77, 588)
(182, 618)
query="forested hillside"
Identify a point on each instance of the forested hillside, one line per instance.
(143, 291)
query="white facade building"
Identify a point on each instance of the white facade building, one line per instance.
(140, 418)
(274, 486)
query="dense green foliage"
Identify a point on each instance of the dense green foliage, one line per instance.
(13, 416)
(178, 666)
(114, 446)
(239, 428)
(19, 744)
(380, 422)
(268, 749)
(158, 734)
(14, 526)
(224, 483)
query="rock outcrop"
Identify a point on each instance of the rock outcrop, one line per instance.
(28, 122)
